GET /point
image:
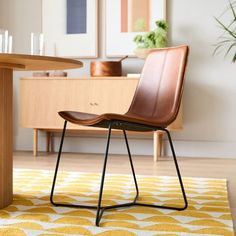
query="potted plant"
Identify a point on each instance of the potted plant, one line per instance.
(156, 38)
(227, 40)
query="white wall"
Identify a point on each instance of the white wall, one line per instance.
(210, 92)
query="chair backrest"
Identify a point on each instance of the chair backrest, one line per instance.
(158, 95)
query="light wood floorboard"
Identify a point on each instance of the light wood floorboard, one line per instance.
(144, 165)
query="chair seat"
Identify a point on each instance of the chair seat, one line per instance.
(126, 121)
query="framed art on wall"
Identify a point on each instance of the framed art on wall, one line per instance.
(70, 28)
(127, 18)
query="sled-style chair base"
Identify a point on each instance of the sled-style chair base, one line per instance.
(100, 209)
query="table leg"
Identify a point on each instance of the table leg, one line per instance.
(6, 137)
(157, 144)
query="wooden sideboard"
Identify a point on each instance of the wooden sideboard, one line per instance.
(42, 97)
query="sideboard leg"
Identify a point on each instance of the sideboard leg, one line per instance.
(157, 144)
(35, 142)
(52, 142)
(48, 142)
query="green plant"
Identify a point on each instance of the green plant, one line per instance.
(227, 40)
(153, 39)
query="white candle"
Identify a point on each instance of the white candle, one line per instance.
(1, 43)
(32, 43)
(6, 41)
(41, 42)
(10, 44)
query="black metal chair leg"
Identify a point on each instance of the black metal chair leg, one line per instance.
(177, 170)
(99, 210)
(180, 181)
(55, 177)
(132, 166)
(57, 165)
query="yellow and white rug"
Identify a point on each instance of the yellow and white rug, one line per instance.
(32, 214)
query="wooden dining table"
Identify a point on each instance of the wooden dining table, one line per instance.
(8, 64)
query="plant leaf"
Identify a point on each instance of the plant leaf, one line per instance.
(234, 58)
(225, 28)
(217, 49)
(230, 47)
(221, 44)
(232, 9)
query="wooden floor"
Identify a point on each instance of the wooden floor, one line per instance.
(190, 167)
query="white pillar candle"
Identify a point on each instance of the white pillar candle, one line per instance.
(6, 41)
(32, 43)
(1, 43)
(41, 43)
(10, 44)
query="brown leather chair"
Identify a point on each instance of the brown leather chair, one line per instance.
(155, 105)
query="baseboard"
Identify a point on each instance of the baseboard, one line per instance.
(211, 149)
(137, 146)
